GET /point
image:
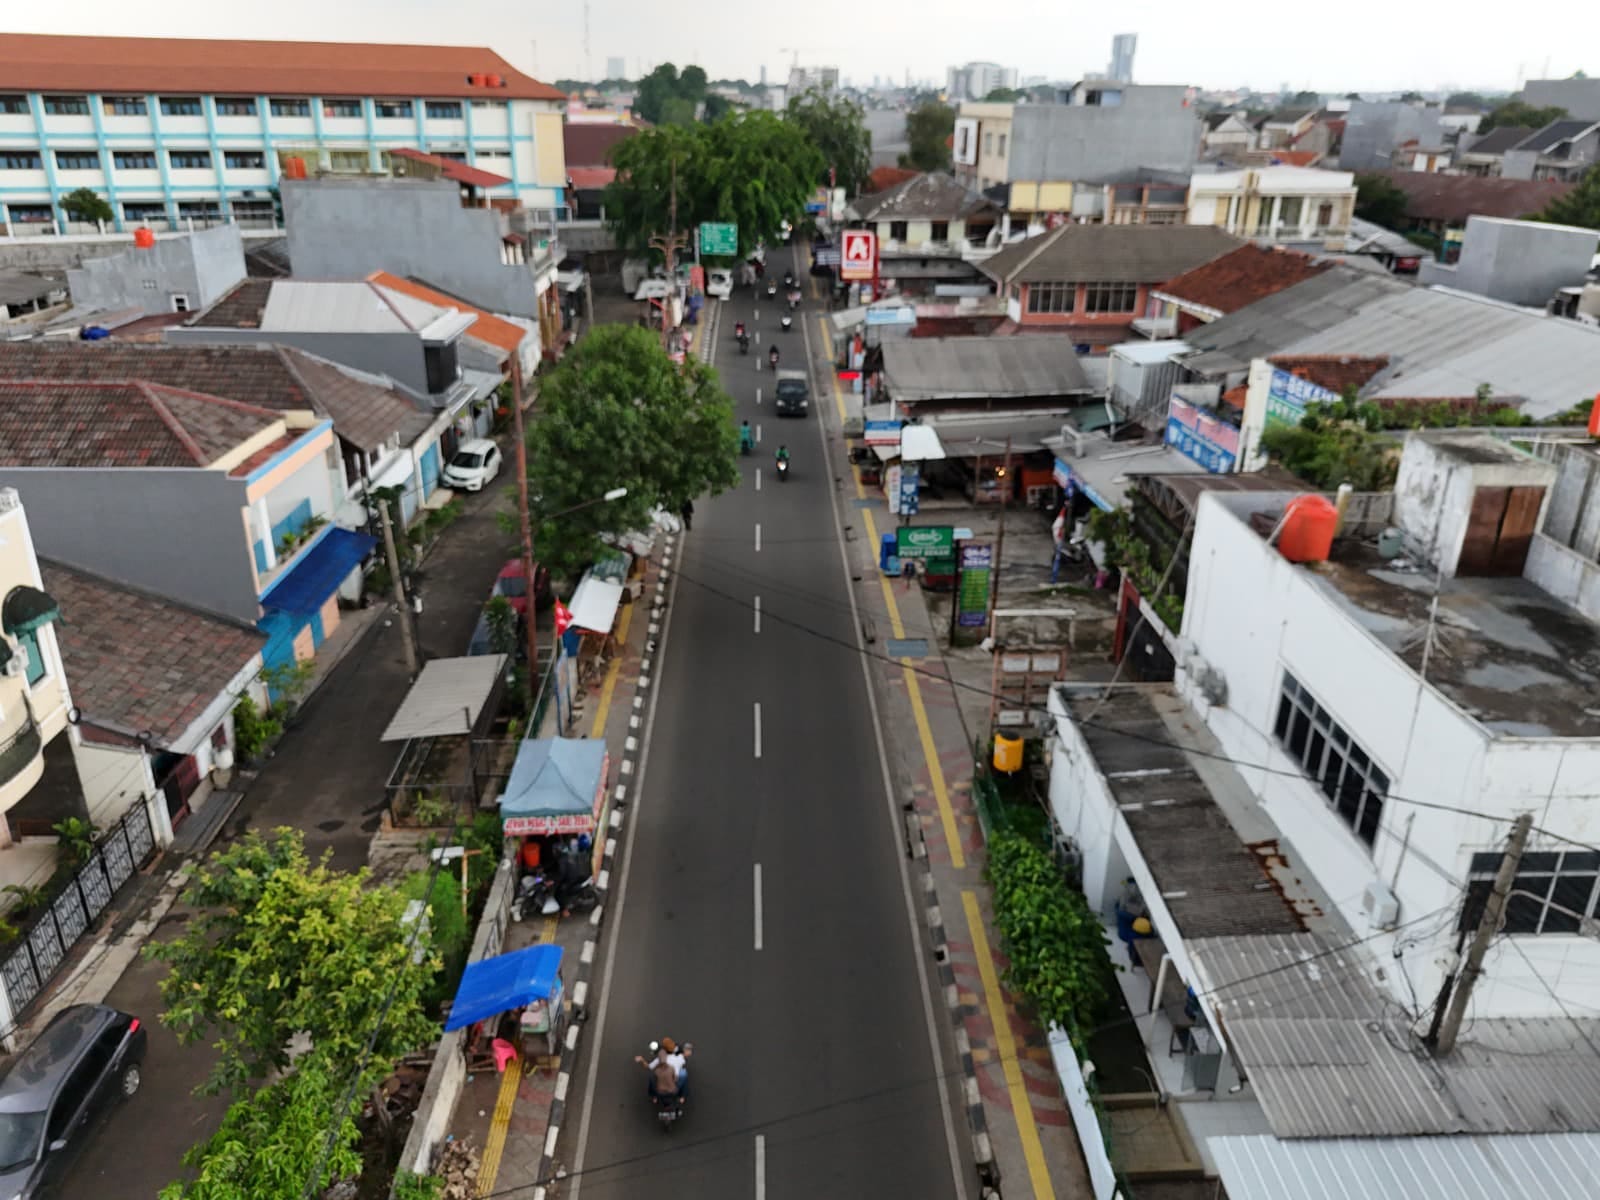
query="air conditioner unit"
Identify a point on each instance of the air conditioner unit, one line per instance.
(1381, 905)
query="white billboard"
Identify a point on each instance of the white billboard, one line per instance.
(965, 142)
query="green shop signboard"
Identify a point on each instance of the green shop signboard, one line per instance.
(933, 545)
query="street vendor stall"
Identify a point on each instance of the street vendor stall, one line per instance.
(558, 789)
(521, 994)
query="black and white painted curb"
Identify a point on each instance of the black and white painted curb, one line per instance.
(582, 984)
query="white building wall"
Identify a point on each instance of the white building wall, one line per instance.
(1251, 614)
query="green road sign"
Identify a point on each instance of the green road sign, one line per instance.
(719, 237)
(925, 542)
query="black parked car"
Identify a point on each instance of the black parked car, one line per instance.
(87, 1058)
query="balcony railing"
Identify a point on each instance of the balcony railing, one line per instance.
(18, 750)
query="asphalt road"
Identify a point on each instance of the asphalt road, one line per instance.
(764, 915)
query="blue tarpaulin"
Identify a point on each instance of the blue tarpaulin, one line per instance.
(506, 981)
(555, 786)
(306, 586)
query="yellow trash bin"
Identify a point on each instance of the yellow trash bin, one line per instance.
(1007, 753)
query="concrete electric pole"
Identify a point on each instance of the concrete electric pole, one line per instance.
(669, 244)
(1488, 925)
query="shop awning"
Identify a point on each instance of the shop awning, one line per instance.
(920, 443)
(305, 587)
(447, 698)
(595, 602)
(26, 609)
(496, 985)
(556, 786)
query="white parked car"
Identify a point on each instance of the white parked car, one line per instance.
(476, 462)
(719, 283)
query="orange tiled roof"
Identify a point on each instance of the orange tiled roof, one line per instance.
(1332, 371)
(1241, 277)
(60, 63)
(487, 328)
(884, 178)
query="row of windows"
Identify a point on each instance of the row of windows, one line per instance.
(938, 231)
(1355, 786)
(231, 106)
(1062, 298)
(136, 211)
(134, 160)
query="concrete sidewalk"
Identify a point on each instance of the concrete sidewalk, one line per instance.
(1019, 1119)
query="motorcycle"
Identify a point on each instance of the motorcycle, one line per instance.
(794, 300)
(669, 1109)
(787, 323)
(747, 441)
(772, 357)
(783, 470)
(744, 343)
(788, 279)
(533, 896)
(772, 288)
(578, 896)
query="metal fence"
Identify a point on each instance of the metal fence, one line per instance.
(47, 939)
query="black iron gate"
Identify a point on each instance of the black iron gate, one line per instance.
(52, 933)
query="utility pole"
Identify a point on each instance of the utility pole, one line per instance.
(1488, 925)
(408, 633)
(525, 523)
(994, 592)
(669, 244)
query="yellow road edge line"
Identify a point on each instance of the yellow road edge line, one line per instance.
(941, 794)
(1006, 1049)
(499, 1125)
(602, 710)
(919, 713)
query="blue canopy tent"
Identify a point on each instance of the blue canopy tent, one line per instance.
(557, 786)
(496, 985)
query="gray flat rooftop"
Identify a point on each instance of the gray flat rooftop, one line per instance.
(1507, 652)
(1212, 882)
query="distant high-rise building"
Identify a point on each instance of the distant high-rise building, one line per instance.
(1122, 47)
(616, 67)
(976, 80)
(805, 79)
(763, 74)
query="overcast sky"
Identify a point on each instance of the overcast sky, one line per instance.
(1354, 46)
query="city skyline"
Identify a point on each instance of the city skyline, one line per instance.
(1175, 45)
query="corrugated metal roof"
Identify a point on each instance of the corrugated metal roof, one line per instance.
(447, 698)
(980, 368)
(1447, 344)
(297, 305)
(1329, 1056)
(1547, 363)
(1281, 320)
(1534, 1167)
(1553, 134)
(1366, 237)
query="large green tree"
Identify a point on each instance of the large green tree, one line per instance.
(754, 169)
(837, 127)
(1580, 206)
(1465, 100)
(1381, 201)
(618, 412)
(281, 947)
(928, 130)
(1515, 112)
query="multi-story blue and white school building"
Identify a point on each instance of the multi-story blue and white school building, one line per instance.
(175, 130)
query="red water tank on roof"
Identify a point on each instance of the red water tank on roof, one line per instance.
(476, 80)
(493, 81)
(1309, 523)
(144, 238)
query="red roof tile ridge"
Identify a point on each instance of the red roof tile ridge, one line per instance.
(175, 426)
(213, 398)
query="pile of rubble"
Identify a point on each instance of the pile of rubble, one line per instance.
(457, 1164)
